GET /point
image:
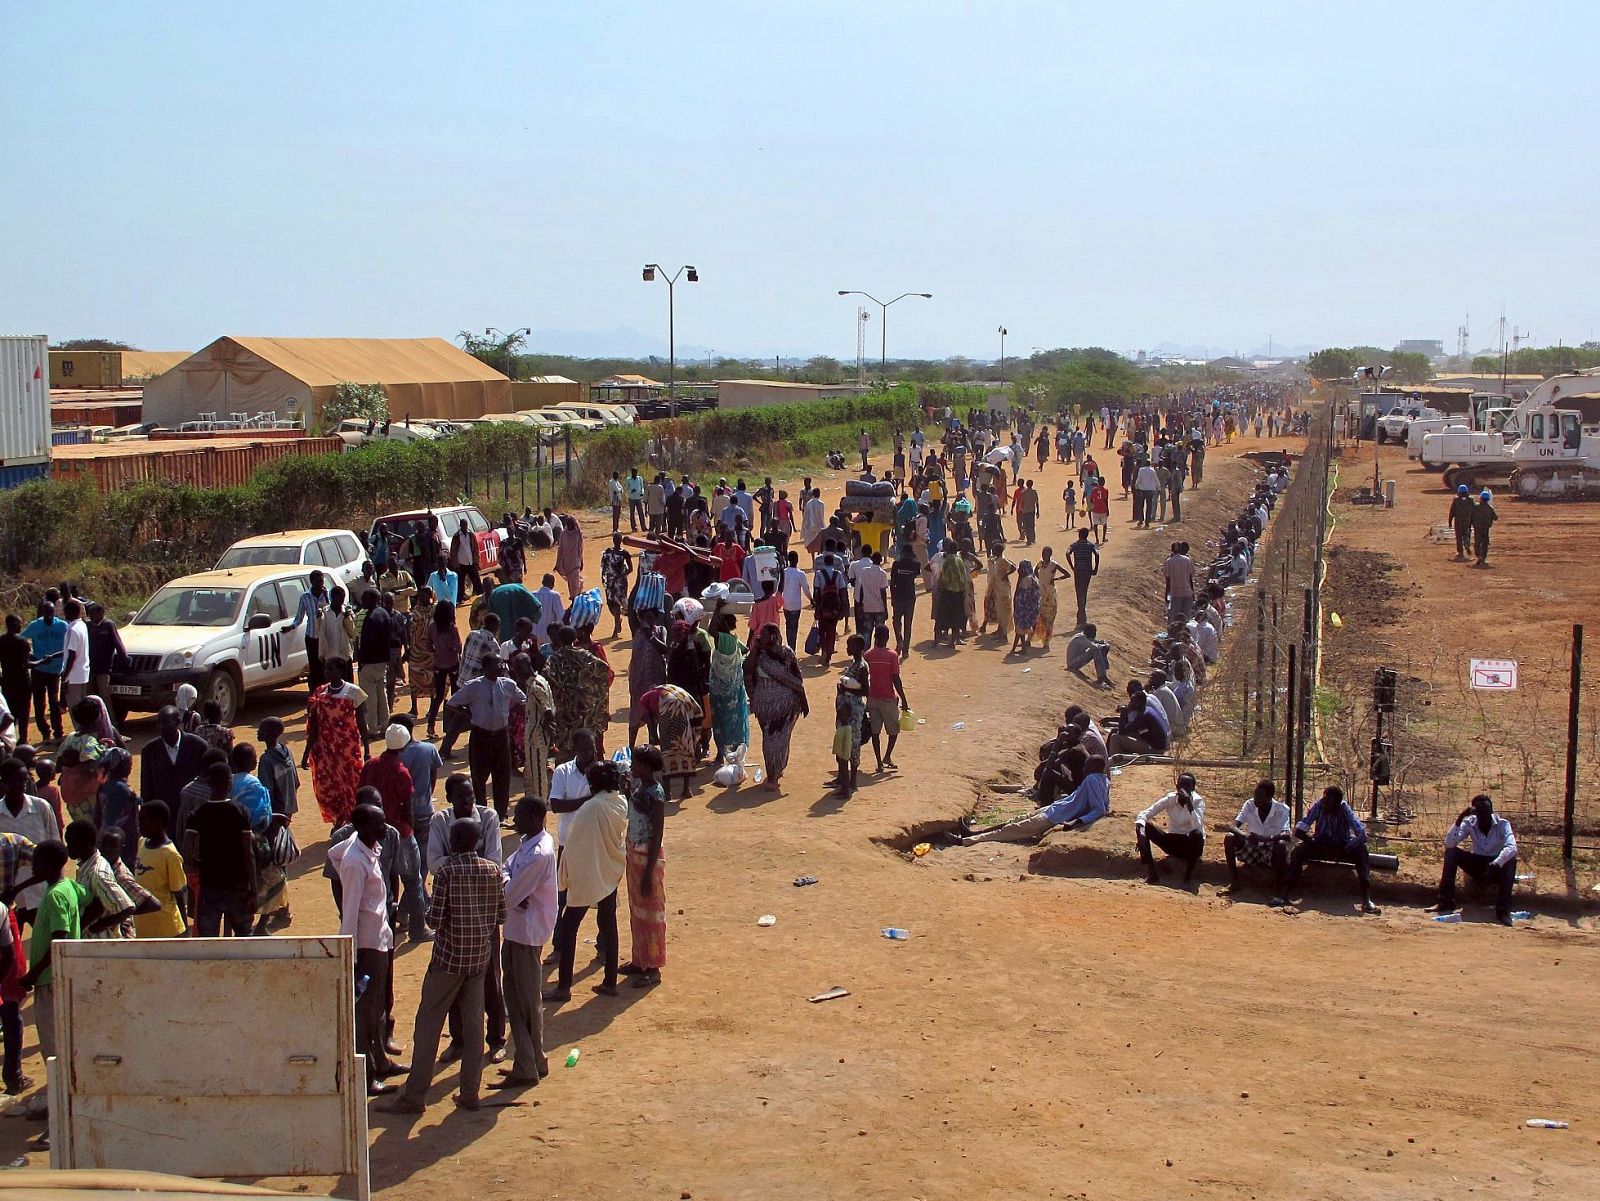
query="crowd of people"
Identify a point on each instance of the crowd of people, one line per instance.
(708, 580)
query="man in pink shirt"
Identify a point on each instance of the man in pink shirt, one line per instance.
(766, 611)
(883, 688)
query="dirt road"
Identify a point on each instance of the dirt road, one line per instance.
(1036, 1036)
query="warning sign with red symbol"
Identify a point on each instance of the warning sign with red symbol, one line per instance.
(1494, 675)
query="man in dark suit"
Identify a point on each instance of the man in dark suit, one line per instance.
(170, 760)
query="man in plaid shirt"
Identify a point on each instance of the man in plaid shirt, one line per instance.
(468, 905)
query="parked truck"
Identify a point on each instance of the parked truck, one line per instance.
(24, 409)
(1558, 458)
(1485, 412)
(1478, 457)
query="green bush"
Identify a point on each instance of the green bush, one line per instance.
(53, 526)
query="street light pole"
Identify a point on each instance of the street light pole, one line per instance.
(692, 277)
(1002, 354)
(883, 348)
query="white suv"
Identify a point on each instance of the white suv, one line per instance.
(338, 552)
(226, 632)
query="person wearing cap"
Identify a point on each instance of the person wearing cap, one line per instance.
(1460, 518)
(1483, 516)
(390, 776)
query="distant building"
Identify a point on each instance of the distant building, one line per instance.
(1431, 347)
(754, 393)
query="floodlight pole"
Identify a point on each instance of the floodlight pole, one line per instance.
(883, 348)
(510, 362)
(650, 270)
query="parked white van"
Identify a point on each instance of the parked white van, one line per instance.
(338, 552)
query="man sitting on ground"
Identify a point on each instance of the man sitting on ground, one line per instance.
(1492, 855)
(1185, 835)
(1144, 729)
(1085, 805)
(1084, 649)
(1330, 830)
(1259, 837)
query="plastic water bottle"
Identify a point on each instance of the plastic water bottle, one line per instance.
(362, 981)
(1451, 918)
(960, 725)
(759, 774)
(572, 1058)
(1522, 915)
(1545, 1124)
(896, 934)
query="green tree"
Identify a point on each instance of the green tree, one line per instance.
(1408, 368)
(821, 369)
(91, 344)
(1335, 362)
(499, 353)
(366, 401)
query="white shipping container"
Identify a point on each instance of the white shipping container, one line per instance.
(24, 400)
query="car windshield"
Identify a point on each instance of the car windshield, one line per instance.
(181, 606)
(258, 556)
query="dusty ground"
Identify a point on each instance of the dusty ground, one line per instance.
(1037, 1035)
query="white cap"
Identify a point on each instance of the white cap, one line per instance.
(396, 737)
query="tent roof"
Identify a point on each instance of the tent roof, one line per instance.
(326, 362)
(142, 364)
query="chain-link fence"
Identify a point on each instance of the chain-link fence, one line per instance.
(1263, 695)
(1279, 709)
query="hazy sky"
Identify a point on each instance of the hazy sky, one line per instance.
(1117, 174)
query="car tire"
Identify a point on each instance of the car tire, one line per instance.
(224, 688)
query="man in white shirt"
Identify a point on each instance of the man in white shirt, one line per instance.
(75, 656)
(569, 784)
(1185, 835)
(1205, 637)
(1482, 845)
(364, 917)
(551, 609)
(872, 594)
(813, 520)
(1259, 837)
(30, 818)
(795, 588)
(1146, 483)
(531, 902)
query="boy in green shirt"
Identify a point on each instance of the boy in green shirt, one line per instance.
(60, 915)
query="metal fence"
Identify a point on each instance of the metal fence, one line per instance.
(1262, 693)
(1280, 711)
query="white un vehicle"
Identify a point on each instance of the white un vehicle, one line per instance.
(226, 632)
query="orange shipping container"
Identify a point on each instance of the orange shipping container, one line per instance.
(224, 466)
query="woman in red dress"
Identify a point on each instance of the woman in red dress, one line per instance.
(336, 742)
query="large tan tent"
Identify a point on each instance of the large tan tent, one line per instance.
(423, 377)
(140, 365)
